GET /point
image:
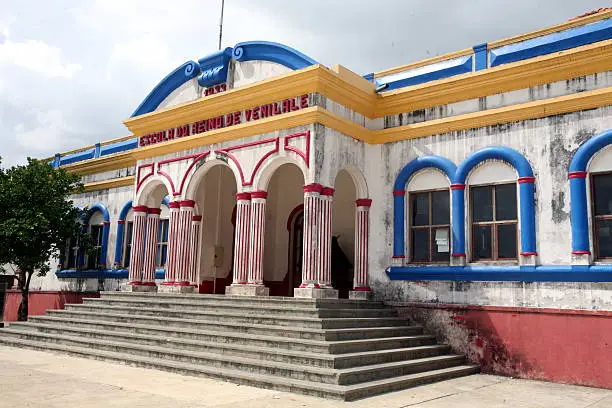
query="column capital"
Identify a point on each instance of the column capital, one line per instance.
(244, 196)
(140, 208)
(364, 202)
(259, 194)
(187, 203)
(196, 218)
(457, 186)
(327, 191)
(313, 188)
(527, 179)
(576, 174)
(154, 211)
(174, 204)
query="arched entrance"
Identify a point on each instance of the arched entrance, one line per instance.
(213, 188)
(282, 253)
(343, 233)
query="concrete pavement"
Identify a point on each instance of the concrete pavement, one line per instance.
(38, 379)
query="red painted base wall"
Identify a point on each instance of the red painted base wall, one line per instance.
(566, 346)
(40, 301)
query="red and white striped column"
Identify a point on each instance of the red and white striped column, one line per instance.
(171, 259)
(324, 239)
(241, 246)
(257, 236)
(312, 193)
(150, 247)
(196, 222)
(138, 245)
(183, 253)
(362, 227)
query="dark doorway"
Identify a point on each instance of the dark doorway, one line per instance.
(296, 236)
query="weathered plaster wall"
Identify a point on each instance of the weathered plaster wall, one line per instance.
(248, 72)
(108, 175)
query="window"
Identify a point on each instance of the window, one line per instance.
(93, 259)
(127, 243)
(494, 222)
(72, 250)
(430, 226)
(601, 185)
(162, 244)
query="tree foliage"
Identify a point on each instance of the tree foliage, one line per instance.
(36, 219)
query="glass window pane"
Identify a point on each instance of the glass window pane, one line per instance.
(128, 238)
(440, 206)
(440, 244)
(603, 230)
(165, 230)
(164, 253)
(505, 202)
(482, 203)
(420, 245)
(420, 209)
(128, 252)
(506, 241)
(602, 191)
(481, 242)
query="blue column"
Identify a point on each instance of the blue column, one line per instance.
(398, 223)
(119, 242)
(528, 235)
(480, 56)
(579, 216)
(458, 221)
(56, 160)
(104, 249)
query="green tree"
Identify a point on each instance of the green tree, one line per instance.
(36, 220)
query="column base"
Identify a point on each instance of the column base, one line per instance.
(315, 293)
(247, 290)
(360, 295)
(139, 287)
(177, 289)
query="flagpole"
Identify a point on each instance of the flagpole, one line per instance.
(221, 23)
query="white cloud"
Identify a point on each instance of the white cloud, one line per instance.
(48, 134)
(36, 56)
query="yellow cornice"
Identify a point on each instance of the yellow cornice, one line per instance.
(112, 183)
(315, 114)
(524, 111)
(308, 80)
(572, 63)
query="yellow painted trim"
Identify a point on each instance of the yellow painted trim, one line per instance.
(308, 80)
(112, 183)
(584, 60)
(524, 111)
(422, 63)
(553, 29)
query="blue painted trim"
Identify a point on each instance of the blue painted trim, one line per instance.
(166, 201)
(563, 40)
(369, 77)
(105, 228)
(458, 222)
(578, 192)
(214, 68)
(439, 70)
(510, 156)
(56, 160)
(438, 162)
(176, 78)
(480, 56)
(273, 52)
(120, 232)
(78, 156)
(101, 274)
(119, 147)
(97, 150)
(542, 273)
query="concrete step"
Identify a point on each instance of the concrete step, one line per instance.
(272, 382)
(45, 323)
(270, 368)
(252, 301)
(273, 309)
(269, 352)
(219, 314)
(283, 331)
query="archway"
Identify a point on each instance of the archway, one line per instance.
(282, 250)
(343, 233)
(214, 193)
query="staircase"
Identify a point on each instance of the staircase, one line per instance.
(338, 349)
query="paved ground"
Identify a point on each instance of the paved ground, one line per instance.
(37, 379)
